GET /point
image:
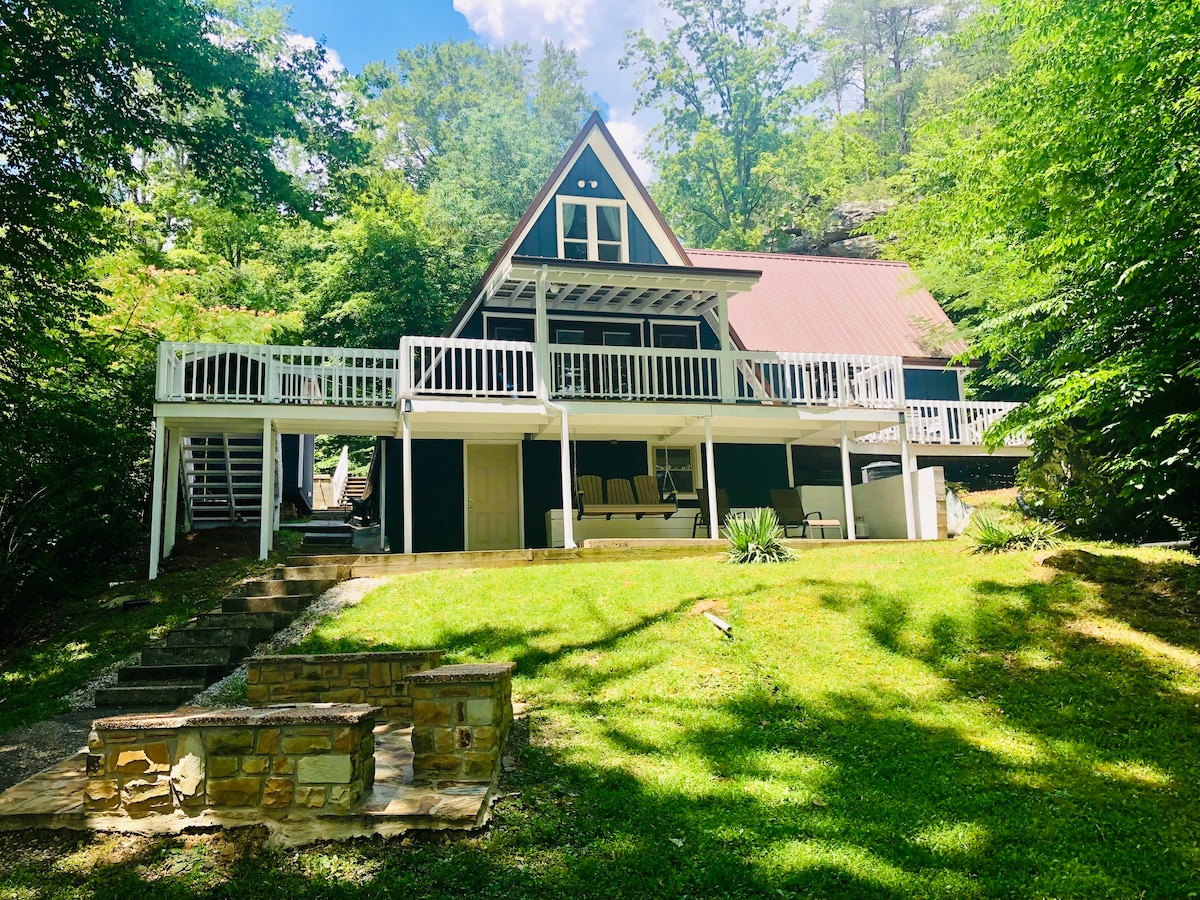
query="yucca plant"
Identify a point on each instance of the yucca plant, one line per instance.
(756, 538)
(992, 535)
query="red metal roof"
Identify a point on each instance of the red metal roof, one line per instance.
(814, 304)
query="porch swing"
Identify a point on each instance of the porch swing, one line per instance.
(617, 497)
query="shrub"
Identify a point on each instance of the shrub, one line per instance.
(992, 535)
(757, 538)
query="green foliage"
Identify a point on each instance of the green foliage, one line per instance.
(756, 538)
(992, 534)
(1056, 207)
(722, 80)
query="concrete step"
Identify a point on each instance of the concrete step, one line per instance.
(135, 695)
(210, 637)
(263, 620)
(281, 603)
(185, 672)
(282, 586)
(219, 654)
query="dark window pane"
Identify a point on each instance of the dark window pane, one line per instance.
(568, 336)
(608, 223)
(609, 252)
(618, 339)
(574, 250)
(575, 221)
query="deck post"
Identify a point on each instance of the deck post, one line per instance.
(565, 471)
(847, 485)
(156, 496)
(406, 447)
(383, 455)
(170, 523)
(710, 479)
(791, 471)
(541, 335)
(726, 376)
(906, 472)
(266, 509)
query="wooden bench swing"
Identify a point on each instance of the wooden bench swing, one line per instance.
(620, 498)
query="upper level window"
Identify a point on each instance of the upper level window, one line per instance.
(592, 229)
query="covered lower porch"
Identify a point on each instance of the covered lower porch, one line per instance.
(492, 475)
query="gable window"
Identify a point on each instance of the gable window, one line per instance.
(592, 229)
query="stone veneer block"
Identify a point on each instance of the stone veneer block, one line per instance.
(379, 679)
(285, 759)
(461, 717)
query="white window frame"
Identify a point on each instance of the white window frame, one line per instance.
(667, 322)
(593, 242)
(697, 469)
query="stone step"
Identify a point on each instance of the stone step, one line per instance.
(263, 620)
(134, 695)
(208, 637)
(282, 586)
(283, 603)
(308, 573)
(184, 672)
(219, 654)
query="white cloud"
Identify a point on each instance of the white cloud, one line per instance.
(595, 29)
(631, 138)
(333, 63)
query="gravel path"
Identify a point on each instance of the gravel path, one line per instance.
(26, 751)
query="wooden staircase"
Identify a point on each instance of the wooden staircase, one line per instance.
(223, 478)
(211, 645)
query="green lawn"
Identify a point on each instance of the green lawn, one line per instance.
(890, 721)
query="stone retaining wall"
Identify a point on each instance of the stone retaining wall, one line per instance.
(461, 718)
(282, 760)
(376, 678)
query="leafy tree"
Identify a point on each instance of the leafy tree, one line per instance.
(1057, 208)
(385, 273)
(723, 83)
(93, 96)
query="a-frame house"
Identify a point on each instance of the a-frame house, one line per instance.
(596, 384)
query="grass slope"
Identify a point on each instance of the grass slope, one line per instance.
(891, 721)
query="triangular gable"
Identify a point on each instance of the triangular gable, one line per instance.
(593, 156)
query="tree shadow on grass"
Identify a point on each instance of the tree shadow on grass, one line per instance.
(1052, 764)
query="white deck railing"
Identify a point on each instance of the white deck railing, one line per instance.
(948, 422)
(463, 367)
(633, 373)
(812, 379)
(455, 367)
(247, 373)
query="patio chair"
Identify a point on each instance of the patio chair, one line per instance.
(790, 510)
(701, 519)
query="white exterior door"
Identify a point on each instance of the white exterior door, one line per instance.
(493, 497)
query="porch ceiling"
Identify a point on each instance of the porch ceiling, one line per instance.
(618, 288)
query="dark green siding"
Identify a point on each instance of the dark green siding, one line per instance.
(541, 484)
(437, 495)
(930, 384)
(749, 471)
(542, 239)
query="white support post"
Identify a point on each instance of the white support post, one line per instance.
(383, 455)
(541, 336)
(170, 523)
(847, 486)
(565, 470)
(728, 381)
(266, 510)
(710, 480)
(156, 496)
(406, 446)
(906, 472)
(791, 471)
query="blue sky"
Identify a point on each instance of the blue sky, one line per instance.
(359, 31)
(365, 30)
